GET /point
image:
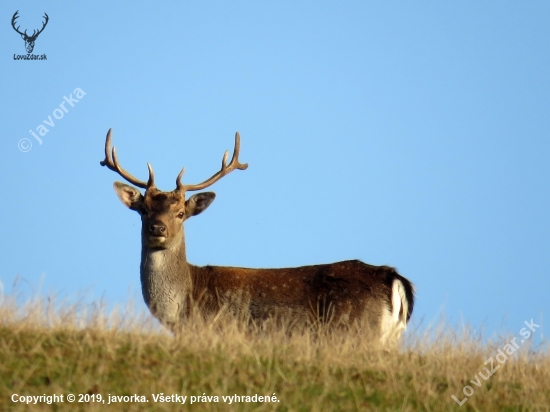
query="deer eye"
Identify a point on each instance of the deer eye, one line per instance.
(181, 215)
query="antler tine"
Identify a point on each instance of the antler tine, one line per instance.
(236, 151)
(178, 179)
(225, 169)
(151, 180)
(111, 161)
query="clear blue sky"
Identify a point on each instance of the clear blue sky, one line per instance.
(412, 134)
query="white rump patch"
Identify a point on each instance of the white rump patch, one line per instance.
(394, 319)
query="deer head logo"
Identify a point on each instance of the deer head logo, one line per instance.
(29, 40)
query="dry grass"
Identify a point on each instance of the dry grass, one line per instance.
(48, 348)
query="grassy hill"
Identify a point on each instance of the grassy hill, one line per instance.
(122, 362)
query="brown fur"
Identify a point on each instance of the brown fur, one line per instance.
(347, 289)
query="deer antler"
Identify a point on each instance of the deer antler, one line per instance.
(226, 169)
(43, 26)
(34, 33)
(111, 162)
(15, 16)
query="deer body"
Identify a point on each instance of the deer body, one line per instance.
(375, 298)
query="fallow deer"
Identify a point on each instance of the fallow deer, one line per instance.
(375, 298)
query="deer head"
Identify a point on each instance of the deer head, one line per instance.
(163, 213)
(29, 40)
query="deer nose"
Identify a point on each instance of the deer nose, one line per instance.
(157, 230)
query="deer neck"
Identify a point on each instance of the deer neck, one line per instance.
(165, 281)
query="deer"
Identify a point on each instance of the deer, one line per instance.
(29, 40)
(374, 298)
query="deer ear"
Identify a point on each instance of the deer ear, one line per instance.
(129, 195)
(198, 203)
